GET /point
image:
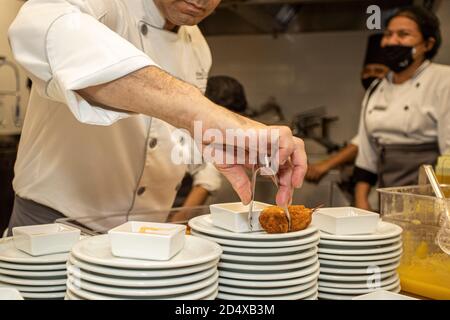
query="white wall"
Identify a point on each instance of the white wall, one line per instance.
(8, 11)
(306, 70)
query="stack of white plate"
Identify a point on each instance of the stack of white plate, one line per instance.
(40, 277)
(352, 265)
(259, 265)
(95, 274)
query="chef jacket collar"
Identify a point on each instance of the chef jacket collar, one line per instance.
(153, 16)
(419, 70)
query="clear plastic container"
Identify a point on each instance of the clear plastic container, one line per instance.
(425, 268)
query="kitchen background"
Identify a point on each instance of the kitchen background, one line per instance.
(302, 54)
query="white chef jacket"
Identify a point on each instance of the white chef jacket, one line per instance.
(78, 158)
(414, 112)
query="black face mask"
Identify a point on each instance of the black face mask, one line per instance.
(366, 82)
(397, 57)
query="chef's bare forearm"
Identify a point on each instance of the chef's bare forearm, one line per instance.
(362, 190)
(153, 92)
(345, 155)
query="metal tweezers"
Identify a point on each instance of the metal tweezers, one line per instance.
(275, 180)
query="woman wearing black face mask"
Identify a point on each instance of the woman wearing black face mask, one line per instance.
(406, 121)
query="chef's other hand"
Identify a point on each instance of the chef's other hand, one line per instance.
(291, 170)
(316, 171)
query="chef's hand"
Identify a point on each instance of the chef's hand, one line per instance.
(291, 172)
(316, 171)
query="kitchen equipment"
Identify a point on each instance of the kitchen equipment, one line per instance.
(425, 267)
(345, 220)
(443, 236)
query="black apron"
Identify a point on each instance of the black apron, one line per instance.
(398, 164)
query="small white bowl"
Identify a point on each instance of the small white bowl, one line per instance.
(383, 295)
(345, 220)
(147, 240)
(233, 216)
(10, 294)
(45, 239)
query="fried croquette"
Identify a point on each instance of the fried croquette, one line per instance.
(274, 220)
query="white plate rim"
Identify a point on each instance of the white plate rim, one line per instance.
(356, 252)
(271, 267)
(352, 278)
(281, 258)
(28, 282)
(138, 292)
(293, 296)
(360, 285)
(32, 274)
(358, 263)
(331, 296)
(191, 296)
(374, 257)
(388, 287)
(211, 229)
(350, 271)
(112, 261)
(43, 295)
(24, 258)
(397, 230)
(267, 291)
(32, 267)
(368, 243)
(250, 244)
(270, 276)
(265, 251)
(269, 283)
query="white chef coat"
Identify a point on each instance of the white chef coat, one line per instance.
(79, 158)
(414, 112)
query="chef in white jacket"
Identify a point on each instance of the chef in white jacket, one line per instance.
(406, 121)
(112, 79)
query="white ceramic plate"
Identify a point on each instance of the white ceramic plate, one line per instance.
(385, 230)
(139, 282)
(144, 292)
(269, 284)
(31, 274)
(204, 224)
(197, 295)
(267, 276)
(390, 286)
(267, 292)
(389, 248)
(9, 253)
(346, 243)
(97, 250)
(212, 296)
(33, 282)
(373, 257)
(324, 262)
(72, 296)
(332, 296)
(292, 296)
(267, 251)
(271, 258)
(32, 267)
(313, 297)
(358, 284)
(43, 295)
(351, 270)
(268, 267)
(353, 278)
(142, 273)
(34, 288)
(259, 244)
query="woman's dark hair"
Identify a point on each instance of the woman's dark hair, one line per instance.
(428, 24)
(227, 92)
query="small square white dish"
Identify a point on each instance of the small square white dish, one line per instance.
(233, 216)
(345, 220)
(10, 294)
(383, 295)
(147, 240)
(44, 239)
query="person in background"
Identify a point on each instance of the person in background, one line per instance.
(373, 69)
(228, 92)
(406, 121)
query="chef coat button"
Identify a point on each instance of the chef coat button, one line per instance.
(140, 191)
(181, 140)
(153, 142)
(417, 84)
(144, 29)
(406, 108)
